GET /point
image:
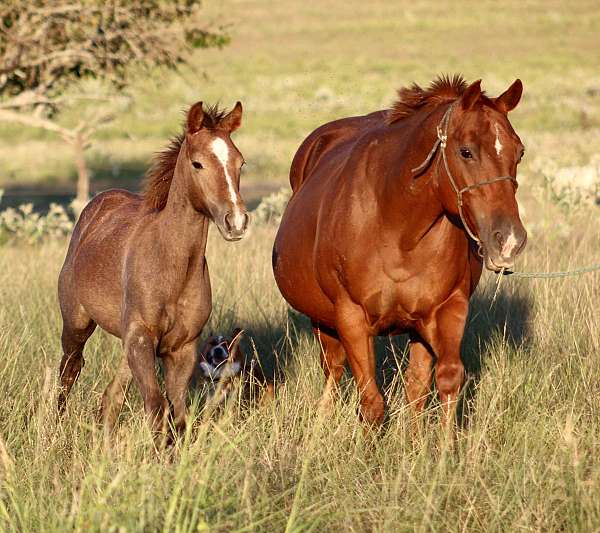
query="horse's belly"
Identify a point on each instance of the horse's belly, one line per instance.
(295, 274)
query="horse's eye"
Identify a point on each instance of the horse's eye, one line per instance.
(521, 156)
(197, 165)
(466, 153)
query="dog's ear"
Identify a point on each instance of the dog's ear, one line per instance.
(234, 347)
(207, 346)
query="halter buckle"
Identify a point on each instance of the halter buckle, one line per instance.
(442, 137)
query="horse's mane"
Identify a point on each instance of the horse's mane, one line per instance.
(159, 176)
(410, 99)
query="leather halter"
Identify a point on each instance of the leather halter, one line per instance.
(441, 141)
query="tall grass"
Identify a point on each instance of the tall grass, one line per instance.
(525, 456)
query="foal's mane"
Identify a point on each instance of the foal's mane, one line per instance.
(444, 88)
(158, 178)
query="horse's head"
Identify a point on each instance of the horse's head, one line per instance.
(215, 163)
(482, 152)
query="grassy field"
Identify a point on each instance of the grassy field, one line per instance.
(526, 454)
(525, 458)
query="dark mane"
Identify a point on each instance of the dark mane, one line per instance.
(410, 99)
(159, 176)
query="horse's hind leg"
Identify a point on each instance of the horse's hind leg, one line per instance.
(333, 359)
(418, 375)
(417, 380)
(73, 341)
(114, 395)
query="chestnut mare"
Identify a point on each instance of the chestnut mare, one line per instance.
(392, 216)
(136, 266)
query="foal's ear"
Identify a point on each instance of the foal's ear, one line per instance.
(233, 120)
(471, 95)
(195, 117)
(509, 99)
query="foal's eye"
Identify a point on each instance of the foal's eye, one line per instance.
(521, 156)
(466, 153)
(197, 165)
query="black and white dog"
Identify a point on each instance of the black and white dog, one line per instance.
(224, 368)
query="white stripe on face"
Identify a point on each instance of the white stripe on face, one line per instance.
(510, 244)
(221, 151)
(498, 145)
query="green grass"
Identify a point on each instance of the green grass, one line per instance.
(525, 458)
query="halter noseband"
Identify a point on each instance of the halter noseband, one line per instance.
(441, 141)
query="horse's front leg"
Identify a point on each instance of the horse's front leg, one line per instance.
(357, 341)
(140, 349)
(179, 367)
(443, 331)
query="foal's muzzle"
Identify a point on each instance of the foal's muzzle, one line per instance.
(233, 224)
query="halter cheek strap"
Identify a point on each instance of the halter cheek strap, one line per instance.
(441, 141)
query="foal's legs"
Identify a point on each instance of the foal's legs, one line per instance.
(358, 343)
(73, 339)
(179, 367)
(114, 395)
(333, 359)
(140, 349)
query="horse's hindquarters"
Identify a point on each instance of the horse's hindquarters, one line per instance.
(91, 277)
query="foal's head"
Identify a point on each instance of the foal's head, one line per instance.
(483, 147)
(214, 164)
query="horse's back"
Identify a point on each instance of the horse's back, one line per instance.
(95, 257)
(337, 135)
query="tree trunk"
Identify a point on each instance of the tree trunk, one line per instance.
(83, 177)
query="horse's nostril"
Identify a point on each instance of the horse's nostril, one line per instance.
(246, 221)
(228, 225)
(499, 238)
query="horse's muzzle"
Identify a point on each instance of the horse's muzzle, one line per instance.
(504, 244)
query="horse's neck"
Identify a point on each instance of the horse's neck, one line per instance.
(411, 203)
(184, 230)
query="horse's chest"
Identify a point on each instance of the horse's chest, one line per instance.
(184, 317)
(397, 296)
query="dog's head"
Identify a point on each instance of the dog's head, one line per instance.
(221, 357)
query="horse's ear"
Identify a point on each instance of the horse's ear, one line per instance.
(509, 99)
(471, 95)
(195, 118)
(233, 120)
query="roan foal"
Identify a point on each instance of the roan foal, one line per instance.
(136, 265)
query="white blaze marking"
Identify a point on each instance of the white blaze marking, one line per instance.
(497, 144)
(510, 244)
(221, 151)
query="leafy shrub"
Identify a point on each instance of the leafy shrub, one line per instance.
(571, 186)
(23, 225)
(271, 208)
